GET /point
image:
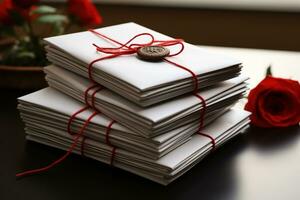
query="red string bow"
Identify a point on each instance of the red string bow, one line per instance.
(130, 48)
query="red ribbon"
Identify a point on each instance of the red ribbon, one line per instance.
(77, 137)
(213, 141)
(86, 93)
(131, 48)
(108, 129)
(73, 117)
(61, 159)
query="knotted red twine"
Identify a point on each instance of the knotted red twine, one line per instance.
(132, 48)
(128, 48)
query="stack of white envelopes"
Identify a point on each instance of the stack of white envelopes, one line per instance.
(143, 116)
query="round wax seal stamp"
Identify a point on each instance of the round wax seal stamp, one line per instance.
(153, 53)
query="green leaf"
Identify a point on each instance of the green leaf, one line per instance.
(25, 54)
(17, 18)
(7, 31)
(58, 29)
(269, 71)
(52, 19)
(44, 10)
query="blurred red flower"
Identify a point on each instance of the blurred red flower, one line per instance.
(85, 12)
(16, 11)
(5, 7)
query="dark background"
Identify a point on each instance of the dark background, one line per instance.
(262, 164)
(250, 29)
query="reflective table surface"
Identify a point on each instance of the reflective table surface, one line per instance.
(261, 164)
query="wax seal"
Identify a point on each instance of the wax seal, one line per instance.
(152, 53)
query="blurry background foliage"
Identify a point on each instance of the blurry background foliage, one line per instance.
(23, 24)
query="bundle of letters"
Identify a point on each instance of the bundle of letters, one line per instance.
(136, 99)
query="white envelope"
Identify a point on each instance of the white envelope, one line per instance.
(155, 119)
(163, 170)
(49, 109)
(142, 82)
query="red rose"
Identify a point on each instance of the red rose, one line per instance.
(5, 7)
(8, 8)
(25, 4)
(275, 102)
(85, 12)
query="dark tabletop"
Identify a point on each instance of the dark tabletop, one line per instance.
(261, 164)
